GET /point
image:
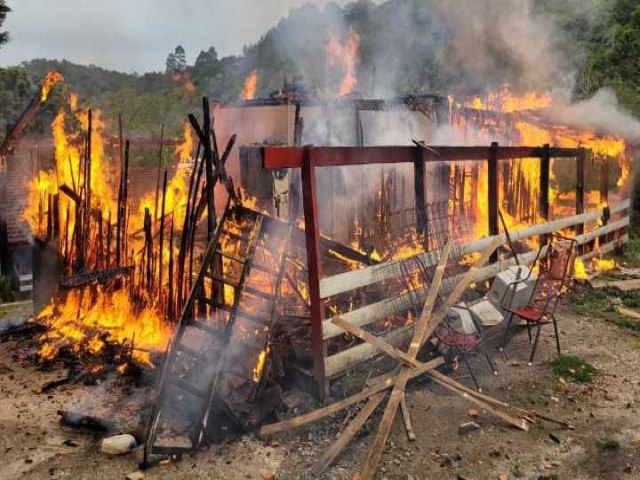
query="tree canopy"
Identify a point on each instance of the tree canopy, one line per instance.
(4, 10)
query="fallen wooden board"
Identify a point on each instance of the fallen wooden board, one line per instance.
(375, 341)
(411, 435)
(627, 312)
(347, 435)
(379, 384)
(622, 285)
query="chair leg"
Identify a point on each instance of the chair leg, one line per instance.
(529, 330)
(506, 332)
(555, 327)
(491, 364)
(468, 365)
(535, 343)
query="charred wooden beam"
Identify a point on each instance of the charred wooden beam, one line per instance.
(23, 120)
(87, 422)
(94, 278)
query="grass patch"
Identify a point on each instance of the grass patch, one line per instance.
(573, 368)
(631, 255)
(600, 304)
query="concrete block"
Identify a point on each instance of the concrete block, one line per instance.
(460, 319)
(519, 295)
(486, 313)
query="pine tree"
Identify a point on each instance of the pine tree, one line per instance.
(4, 9)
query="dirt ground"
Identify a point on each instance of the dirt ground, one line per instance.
(605, 443)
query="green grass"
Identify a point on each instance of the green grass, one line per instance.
(572, 368)
(631, 255)
(600, 304)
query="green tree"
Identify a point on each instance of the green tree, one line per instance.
(207, 66)
(4, 10)
(177, 61)
(614, 60)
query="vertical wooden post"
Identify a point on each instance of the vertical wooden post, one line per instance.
(358, 128)
(604, 195)
(312, 237)
(545, 166)
(493, 200)
(580, 164)
(419, 190)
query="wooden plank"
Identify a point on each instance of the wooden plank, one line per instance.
(397, 394)
(375, 454)
(378, 385)
(517, 422)
(375, 341)
(312, 239)
(627, 312)
(406, 417)
(327, 459)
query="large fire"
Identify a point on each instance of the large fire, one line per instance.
(345, 55)
(250, 86)
(85, 319)
(521, 123)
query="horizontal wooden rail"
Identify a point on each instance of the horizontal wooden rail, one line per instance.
(292, 157)
(345, 282)
(340, 362)
(379, 310)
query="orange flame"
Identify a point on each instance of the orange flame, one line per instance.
(250, 86)
(50, 81)
(345, 55)
(262, 359)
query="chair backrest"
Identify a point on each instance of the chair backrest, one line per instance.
(555, 269)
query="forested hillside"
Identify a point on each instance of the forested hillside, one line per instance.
(404, 47)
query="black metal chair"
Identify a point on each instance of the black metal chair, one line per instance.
(554, 266)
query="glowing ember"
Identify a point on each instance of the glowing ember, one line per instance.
(50, 81)
(250, 86)
(346, 56)
(257, 370)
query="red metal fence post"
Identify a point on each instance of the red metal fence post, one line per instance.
(312, 237)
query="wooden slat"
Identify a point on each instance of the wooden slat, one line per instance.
(327, 459)
(366, 276)
(406, 417)
(397, 394)
(375, 341)
(378, 385)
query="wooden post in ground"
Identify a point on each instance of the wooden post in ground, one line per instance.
(493, 197)
(545, 174)
(419, 189)
(312, 236)
(580, 174)
(604, 195)
(545, 167)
